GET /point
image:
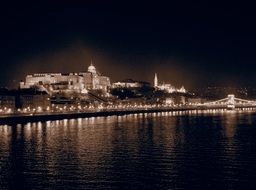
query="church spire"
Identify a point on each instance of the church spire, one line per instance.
(155, 81)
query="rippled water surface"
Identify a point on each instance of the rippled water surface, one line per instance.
(144, 151)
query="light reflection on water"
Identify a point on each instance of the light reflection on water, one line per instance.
(170, 150)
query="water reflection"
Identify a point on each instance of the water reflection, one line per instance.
(168, 150)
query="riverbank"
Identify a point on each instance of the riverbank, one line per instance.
(45, 116)
(35, 117)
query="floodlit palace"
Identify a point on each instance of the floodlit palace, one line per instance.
(70, 82)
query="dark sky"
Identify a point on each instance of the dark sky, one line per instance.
(193, 44)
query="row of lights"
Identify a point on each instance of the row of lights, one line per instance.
(91, 107)
(57, 108)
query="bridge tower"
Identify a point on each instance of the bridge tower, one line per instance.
(231, 101)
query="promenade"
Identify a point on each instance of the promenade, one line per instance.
(35, 116)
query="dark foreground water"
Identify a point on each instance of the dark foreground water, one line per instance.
(150, 151)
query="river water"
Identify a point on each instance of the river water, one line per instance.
(176, 150)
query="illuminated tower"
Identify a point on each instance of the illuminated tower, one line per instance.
(155, 81)
(91, 68)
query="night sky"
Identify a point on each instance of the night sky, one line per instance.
(192, 44)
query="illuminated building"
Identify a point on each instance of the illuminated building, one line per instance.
(195, 100)
(23, 99)
(169, 101)
(33, 99)
(7, 100)
(167, 87)
(128, 83)
(71, 82)
(94, 80)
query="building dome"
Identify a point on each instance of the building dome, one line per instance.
(91, 69)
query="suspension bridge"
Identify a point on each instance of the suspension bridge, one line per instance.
(230, 102)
